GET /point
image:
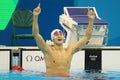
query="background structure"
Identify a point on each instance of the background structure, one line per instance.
(108, 10)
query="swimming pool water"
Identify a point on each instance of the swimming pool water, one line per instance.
(18, 75)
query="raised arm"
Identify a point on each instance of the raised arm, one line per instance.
(86, 37)
(35, 30)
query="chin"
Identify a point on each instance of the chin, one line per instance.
(60, 42)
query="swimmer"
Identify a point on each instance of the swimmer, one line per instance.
(58, 58)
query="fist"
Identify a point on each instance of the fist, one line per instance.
(91, 14)
(37, 10)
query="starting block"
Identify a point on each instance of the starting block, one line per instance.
(75, 20)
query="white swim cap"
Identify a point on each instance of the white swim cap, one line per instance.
(53, 32)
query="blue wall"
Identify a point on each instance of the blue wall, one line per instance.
(48, 19)
(108, 10)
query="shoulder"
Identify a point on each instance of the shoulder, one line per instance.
(73, 49)
(47, 48)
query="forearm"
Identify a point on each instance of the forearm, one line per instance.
(83, 40)
(35, 29)
(89, 28)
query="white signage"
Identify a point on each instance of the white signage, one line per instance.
(34, 60)
(4, 60)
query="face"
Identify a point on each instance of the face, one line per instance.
(58, 37)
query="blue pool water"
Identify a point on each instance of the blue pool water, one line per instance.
(18, 75)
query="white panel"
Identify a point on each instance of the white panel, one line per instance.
(78, 61)
(33, 60)
(110, 59)
(4, 60)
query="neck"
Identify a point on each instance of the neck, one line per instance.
(58, 47)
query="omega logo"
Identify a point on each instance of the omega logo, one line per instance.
(36, 58)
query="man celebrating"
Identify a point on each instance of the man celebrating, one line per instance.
(58, 58)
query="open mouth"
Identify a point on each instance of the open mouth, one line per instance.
(59, 39)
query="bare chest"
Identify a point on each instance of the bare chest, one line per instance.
(59, 57)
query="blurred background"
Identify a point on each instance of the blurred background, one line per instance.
(108, 10)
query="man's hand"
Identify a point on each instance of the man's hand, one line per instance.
(91, 13)
(37, 10)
